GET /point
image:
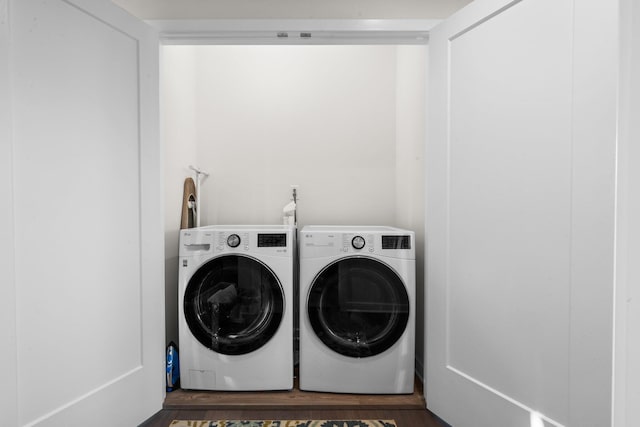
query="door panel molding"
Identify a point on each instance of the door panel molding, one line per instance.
(519, 261)
(9, 355)
(484, 20)
(85, 131)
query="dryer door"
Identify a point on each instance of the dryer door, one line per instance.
(234, 304)
(358, 307)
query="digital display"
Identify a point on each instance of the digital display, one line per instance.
(396, 242)
(271, 240)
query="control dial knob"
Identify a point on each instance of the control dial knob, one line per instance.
(358, 242)
(233, 240)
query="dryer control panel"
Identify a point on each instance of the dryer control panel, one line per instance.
(382, 241)
(358, 242)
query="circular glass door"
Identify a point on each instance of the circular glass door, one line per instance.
(233, 304)
(358, 307)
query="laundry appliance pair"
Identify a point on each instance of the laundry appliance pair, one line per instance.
(240, 302)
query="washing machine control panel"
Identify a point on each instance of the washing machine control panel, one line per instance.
(267, 243)
(230, 240)
(205, 242)
(233, 240)
(272, 240)
(358, 242)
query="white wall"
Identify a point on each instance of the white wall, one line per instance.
(297, 9)
(322, 117)
(345, 123)
(178, 131)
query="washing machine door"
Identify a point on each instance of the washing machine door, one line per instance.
(358, 306)
(234, 304)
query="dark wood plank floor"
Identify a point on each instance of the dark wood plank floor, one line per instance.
(294, 399)
(406, 410)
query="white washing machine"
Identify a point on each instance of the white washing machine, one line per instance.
(236, 307)
(357, 309)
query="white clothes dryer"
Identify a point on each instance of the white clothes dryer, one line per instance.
(235, 307)
(357, 309)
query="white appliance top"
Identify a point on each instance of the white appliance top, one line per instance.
(353, 229)
(242, 227)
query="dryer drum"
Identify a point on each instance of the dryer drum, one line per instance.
(358, 307)
(233, 304)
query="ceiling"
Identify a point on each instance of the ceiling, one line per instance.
(291, 9)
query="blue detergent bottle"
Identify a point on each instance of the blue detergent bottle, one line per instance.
(173, 367)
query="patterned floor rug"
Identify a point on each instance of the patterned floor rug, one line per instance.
(283, 423)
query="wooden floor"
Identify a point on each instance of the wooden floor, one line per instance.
(407, 410)
(294, 399)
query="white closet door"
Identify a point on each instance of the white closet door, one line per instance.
(8, 391)
(520, 214)
(87, 214)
